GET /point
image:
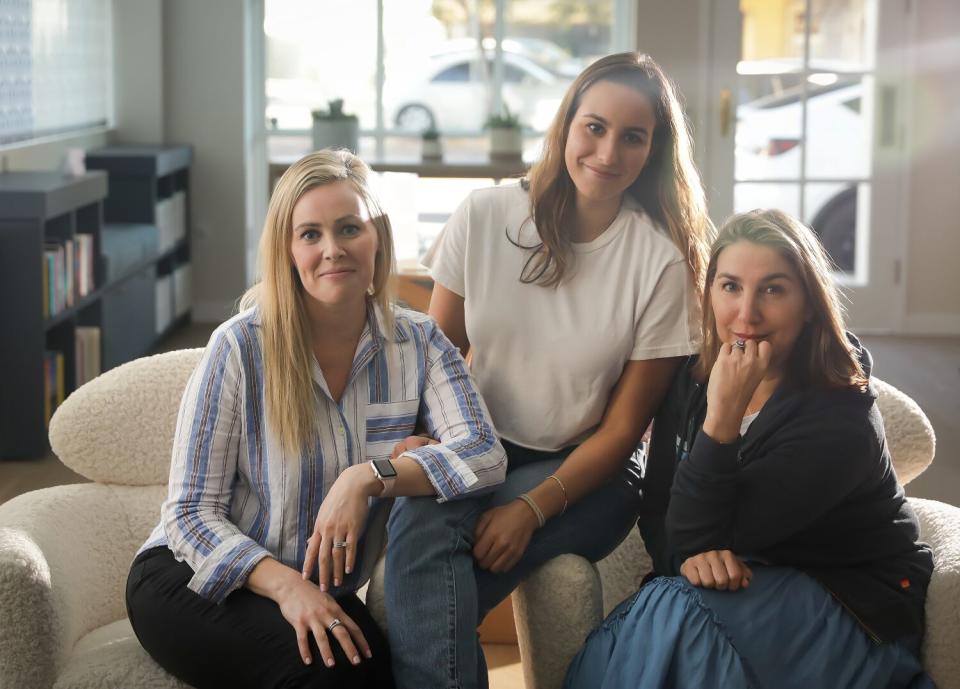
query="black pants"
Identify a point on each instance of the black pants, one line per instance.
(244, 642)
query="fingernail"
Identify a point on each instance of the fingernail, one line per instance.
(307, 660)
(336, 582)
(347, 570)
(368, 653)
(329, 662)
(356, 660)
(323, 587)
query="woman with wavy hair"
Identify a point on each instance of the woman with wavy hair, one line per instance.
(575, 293)
(282, 478)
(788, 553)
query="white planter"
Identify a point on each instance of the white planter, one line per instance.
(343, 133)
(431, 149)
(506, 142)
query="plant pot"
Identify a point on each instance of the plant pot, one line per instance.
(344, 133)
(431, 149)
(506, 143)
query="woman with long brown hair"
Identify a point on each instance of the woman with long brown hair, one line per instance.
(789, 556)
(575, 293)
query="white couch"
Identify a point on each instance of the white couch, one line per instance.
(65, 551)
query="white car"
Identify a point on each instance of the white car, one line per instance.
(451, 92)
(768, 147)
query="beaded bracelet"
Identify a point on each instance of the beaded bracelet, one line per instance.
(533, 506)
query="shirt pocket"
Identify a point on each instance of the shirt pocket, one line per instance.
(387, 424)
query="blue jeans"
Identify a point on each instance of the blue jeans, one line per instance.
(436, 597)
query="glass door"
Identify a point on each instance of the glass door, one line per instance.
(808, 95)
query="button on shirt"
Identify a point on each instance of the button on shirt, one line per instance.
(236, 497)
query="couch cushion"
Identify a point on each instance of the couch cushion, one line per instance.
(110, 657)
(119, 427)
(910, 436)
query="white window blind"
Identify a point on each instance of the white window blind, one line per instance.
(55, 67)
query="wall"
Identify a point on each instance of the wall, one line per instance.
(671, 34)
(48, 155)
(933, 249)
(138, 71)
(203, 83)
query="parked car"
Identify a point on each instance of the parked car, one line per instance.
(451, 91)
(769, 143)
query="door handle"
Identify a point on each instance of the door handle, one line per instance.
(726, 111)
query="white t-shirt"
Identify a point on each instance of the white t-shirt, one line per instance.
(546, 358)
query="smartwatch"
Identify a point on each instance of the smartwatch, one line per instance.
(384, 470)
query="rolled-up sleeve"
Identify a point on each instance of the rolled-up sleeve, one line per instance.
(469, 458)
(195, 515)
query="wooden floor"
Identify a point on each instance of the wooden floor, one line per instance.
(927, 369)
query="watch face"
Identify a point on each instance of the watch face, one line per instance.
(385, 468)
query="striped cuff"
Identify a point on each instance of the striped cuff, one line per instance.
(449, 475)
(226, 569)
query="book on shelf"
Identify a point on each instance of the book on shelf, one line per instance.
(87, 353)
(84, 264)
(46, 287)
(53, 258)
(54, 388)
(67, 272)
(69, 287)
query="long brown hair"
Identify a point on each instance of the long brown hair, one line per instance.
(822, 355)
(291, 402)
(668, 188)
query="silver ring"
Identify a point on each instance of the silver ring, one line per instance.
(339, 544)
(333, 625)
(740, 344)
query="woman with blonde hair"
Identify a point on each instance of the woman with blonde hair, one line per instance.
(575, 293)
(281, 462)
(788, 553)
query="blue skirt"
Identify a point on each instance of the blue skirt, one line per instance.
(784, 631)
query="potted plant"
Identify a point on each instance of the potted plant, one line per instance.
(430, 146)
(333, 128)
(506, 135)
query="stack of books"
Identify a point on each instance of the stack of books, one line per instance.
(67, 272)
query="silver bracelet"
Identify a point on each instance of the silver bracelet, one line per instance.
(533, 506)
(563, 489)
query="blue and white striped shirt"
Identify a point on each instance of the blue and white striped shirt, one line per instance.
(235, 497)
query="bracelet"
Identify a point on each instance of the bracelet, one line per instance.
(563, 489)
(533, 506)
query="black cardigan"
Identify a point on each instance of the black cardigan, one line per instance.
(810, 486)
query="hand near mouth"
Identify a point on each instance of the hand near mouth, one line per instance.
(734, 378)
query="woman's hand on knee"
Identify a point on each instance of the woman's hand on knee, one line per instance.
(311, 611)
(502, 535)
(336, 532)
(412, 442)
(717, 569)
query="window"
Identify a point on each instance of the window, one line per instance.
(402, 66)
(803, 139)
(55, 67)
(459, 72)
